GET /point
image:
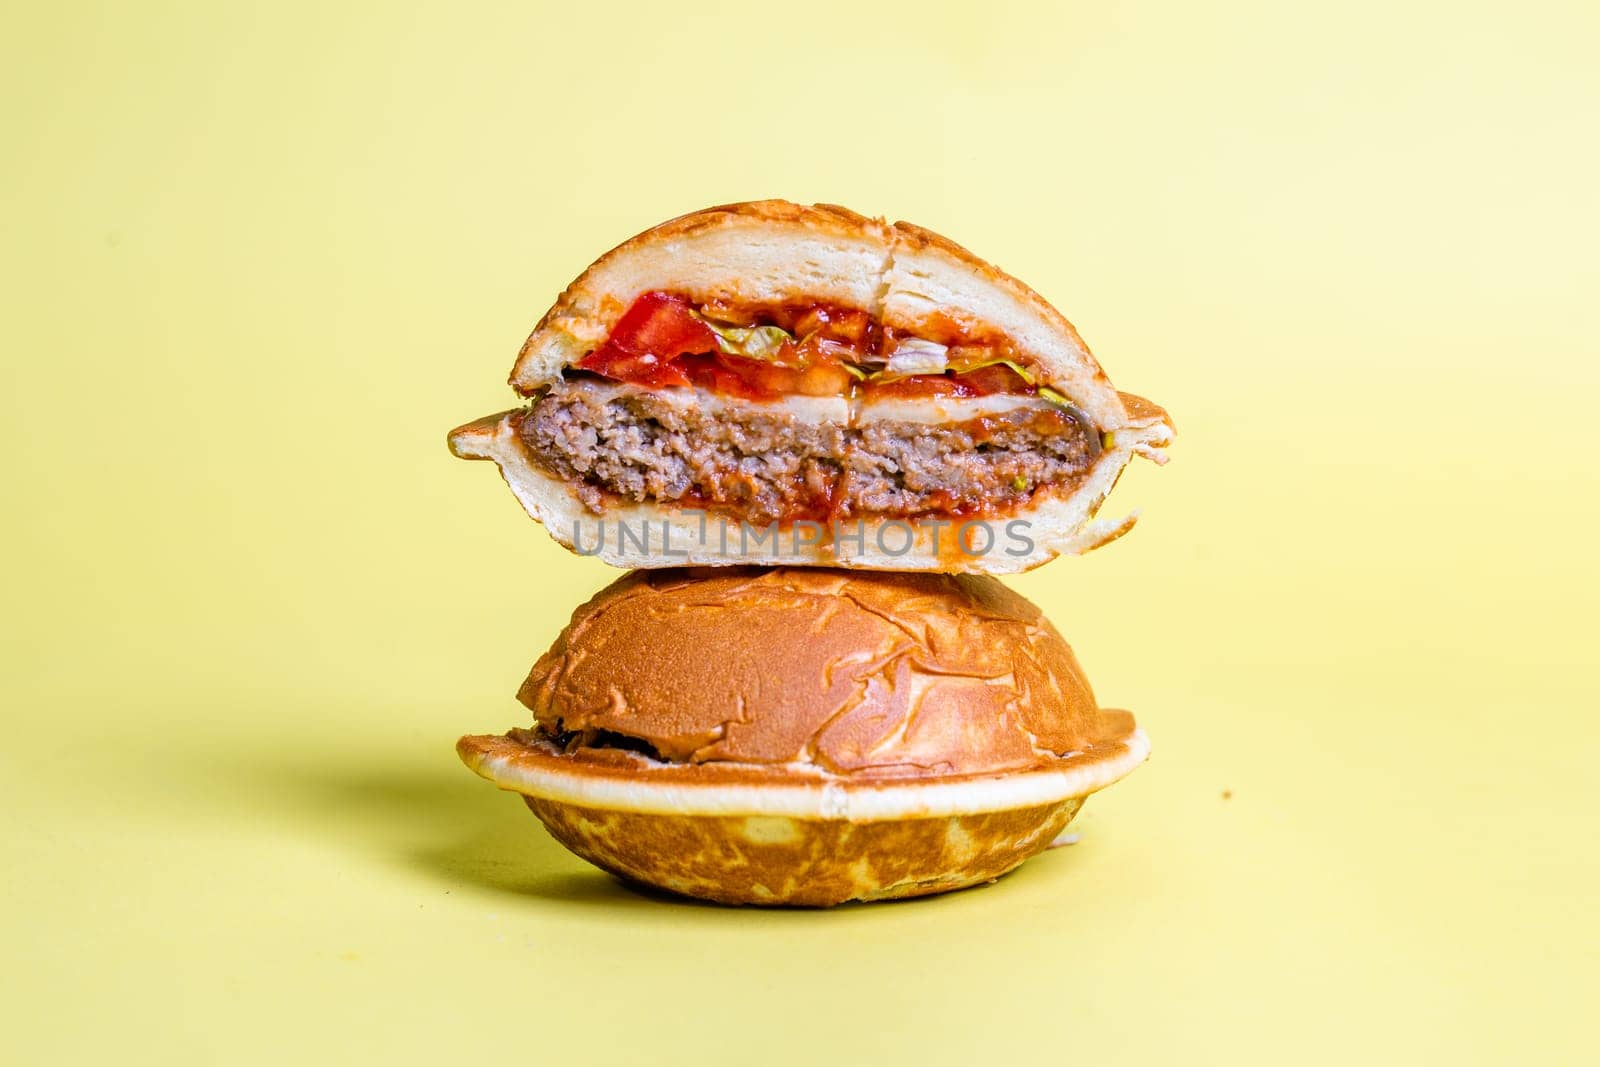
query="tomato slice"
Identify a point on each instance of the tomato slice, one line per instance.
(613, 362)
(646, 341)
(662, 325)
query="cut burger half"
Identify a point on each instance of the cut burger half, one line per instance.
(774, 383)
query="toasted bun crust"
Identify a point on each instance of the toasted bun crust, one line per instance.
(773, 251)
(527, 763)
(663, 535)
(808, 737)
(854, 674)
(779, 860)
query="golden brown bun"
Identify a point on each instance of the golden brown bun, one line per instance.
(796, 838)
(852, 673)
(797, 736)
(807, 862)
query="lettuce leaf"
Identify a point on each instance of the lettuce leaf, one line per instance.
(752, 342)
(916, 356)
(968, 365)
(962, 367)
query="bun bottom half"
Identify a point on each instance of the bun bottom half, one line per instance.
(779, 860)
(768, 837)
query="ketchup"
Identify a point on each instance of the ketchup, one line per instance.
(985, 381)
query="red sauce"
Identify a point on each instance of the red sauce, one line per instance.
(985, 381)
(756, 379)
(845, 325)
(660, 342)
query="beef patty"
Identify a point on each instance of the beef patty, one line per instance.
(762, 466)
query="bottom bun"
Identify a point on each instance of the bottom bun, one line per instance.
(757, 837)
(778, 859)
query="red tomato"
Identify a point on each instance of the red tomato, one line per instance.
(651, 334)
(613, 362)
(661, 324)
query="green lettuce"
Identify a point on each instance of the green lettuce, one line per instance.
(764, 343)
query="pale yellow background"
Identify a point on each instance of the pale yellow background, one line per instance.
(258, 258)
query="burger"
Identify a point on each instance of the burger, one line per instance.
(768, 382)
(816, 436)
(807, 736)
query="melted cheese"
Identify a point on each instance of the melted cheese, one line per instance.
(935, 411)
(835, 409)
